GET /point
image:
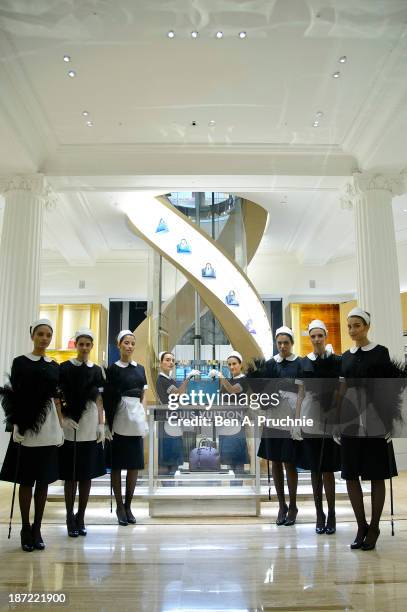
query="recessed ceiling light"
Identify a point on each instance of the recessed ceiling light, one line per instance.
(194, 34)
(72, 74)
(342, 59)
(404, 209)
(89, 123)
(171, 34)
(242, 34)
(85, 113)
(211, 123)
(315, 124)
(319, 114)
(219, 34)
(67, 58)
(336, 74)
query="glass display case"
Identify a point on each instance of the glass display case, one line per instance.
(202, 461)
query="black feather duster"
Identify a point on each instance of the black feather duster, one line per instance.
(78, 387)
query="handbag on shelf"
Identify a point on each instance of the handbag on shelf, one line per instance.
(208, 271)
(162, 227)
(231, 299)
(183, 246)
(204, 458)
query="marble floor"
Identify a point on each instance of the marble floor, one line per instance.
(210, 565)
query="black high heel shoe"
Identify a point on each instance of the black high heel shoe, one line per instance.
(71, 526)
(131, 519)
(330, 528)
(122, 517)
(27, 543)
(282, 515)
(80, 526)
(369, 543)
(291, 517)
(360, 536)
(38, 542)
(320, 526)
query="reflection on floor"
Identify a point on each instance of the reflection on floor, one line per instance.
(244, 565)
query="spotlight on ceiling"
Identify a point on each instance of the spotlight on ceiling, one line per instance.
(242, 34)
(342, 59)
(319, 114)
(72, 74)
(85, 113)
(171, 34)
(89, 123)
(67, 58)
(336, 74)
(194, 34)
(211, 123)
(219, 34)
(315, 124)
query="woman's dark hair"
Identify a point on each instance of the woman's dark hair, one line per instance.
(164, 354)
(288, 336)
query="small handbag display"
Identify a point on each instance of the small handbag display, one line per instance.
(162, 227)
(208, 271)
(204, 458)
(183, 246)
(231, 299)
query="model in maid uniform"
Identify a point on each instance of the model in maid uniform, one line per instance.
(277, 445)
(170, 445)
(368, 458)
(81, 457)
(125, 402)
(319, 453)
(232, 439)
(33, 409)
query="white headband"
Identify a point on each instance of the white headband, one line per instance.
(285, 330)
(125, 332)
(39, 322)
(235, 354)
(317, 324)
(84, 331)
(358, 312)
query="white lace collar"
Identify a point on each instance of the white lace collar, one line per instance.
(124, 364)
(368, 347)
(77, 362)
(38, 357)
(313, 356)
(279, 359)
(165, 375)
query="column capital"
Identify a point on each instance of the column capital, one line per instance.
(362, 183)
(36, 184)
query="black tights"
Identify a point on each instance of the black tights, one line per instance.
(292, 482)
(131, 481)
(40, 497)
(70, 494)
(378, 495)
(328, 480)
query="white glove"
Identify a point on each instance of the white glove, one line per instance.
(387, 437)
(108, 433)
(296, 433)
(336, 435)
(193, 373)
(17, 437)
(213, 373)
(67, 422)
(100, 433)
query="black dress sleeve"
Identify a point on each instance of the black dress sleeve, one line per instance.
(163, 384)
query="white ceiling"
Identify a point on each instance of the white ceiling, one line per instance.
(143, 90)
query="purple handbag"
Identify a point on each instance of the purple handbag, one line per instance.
(205, 458)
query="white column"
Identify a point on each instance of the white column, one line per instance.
(20, 253)
(378, 283)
